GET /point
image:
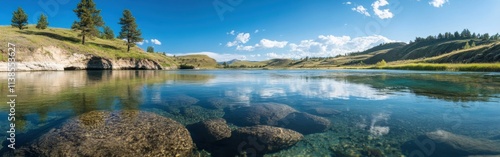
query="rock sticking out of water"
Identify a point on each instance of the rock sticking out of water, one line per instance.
(259, 114)
(120, 133)
(444, 143)
(305, 123)
(261, 139)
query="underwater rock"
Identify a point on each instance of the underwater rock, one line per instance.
(120, 133)
(305, 123)
(444, 143)
(261, 139)
(210, 130)
(217, 103)
(181, 100)
(259, 114)
(322, 111)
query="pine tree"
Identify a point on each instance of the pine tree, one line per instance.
(473, 44)
(466, 46)
(129, 30)
(150, 49)
(19, 19)
(90, 19)
(486, 36)
(107, 33)
(42, 22)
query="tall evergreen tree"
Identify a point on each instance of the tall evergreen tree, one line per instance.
(42, 22)
(457, 35)
(486, 36)
(129, 31)
(19, 19)
(90, 19)
(107, 33)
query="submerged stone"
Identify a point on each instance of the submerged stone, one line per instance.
(305, 123)
(120, 133)
(322, 111)
(211, 130)
(217, 103)
(181, 100)
(444, 143)
(259, 114)
(261, 139)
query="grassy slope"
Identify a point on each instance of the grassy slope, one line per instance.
(427, 55)
(28, 40)
(198, 61)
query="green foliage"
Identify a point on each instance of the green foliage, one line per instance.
(42, 22)
(185, 66)
(107, 33)
(19, 19)
(466, 46)
(381, 63)
(486, 36)
(150, 49)
(129, 30)
(473, 44)
(90, 19)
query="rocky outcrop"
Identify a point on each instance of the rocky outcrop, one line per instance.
(259, 114)
(54, 59)
(305, 123)
(121, 133)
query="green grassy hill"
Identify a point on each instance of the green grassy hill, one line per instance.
(29, 41)
(197, 61)
(431, 53)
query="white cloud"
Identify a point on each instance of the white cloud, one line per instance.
(155, 41)
(256, 31)
(266, 43)
(362, 10)
(231, 43)
(348, 3)
(384, 13)
(243, 37)
(438, 3)
(245, 48)
(230, 33)
(139, 43)
(329, 46)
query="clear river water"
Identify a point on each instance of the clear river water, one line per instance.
(371, 112)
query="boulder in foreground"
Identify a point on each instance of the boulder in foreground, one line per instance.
(120, 133)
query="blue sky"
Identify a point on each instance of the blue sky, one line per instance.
(263, 29)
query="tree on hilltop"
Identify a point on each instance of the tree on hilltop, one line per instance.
(129, 30)
(19, 19)
(42, 22)
(107, 33)
(90, 19)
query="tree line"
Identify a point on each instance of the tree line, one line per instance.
(88, 24)
(465, 34)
